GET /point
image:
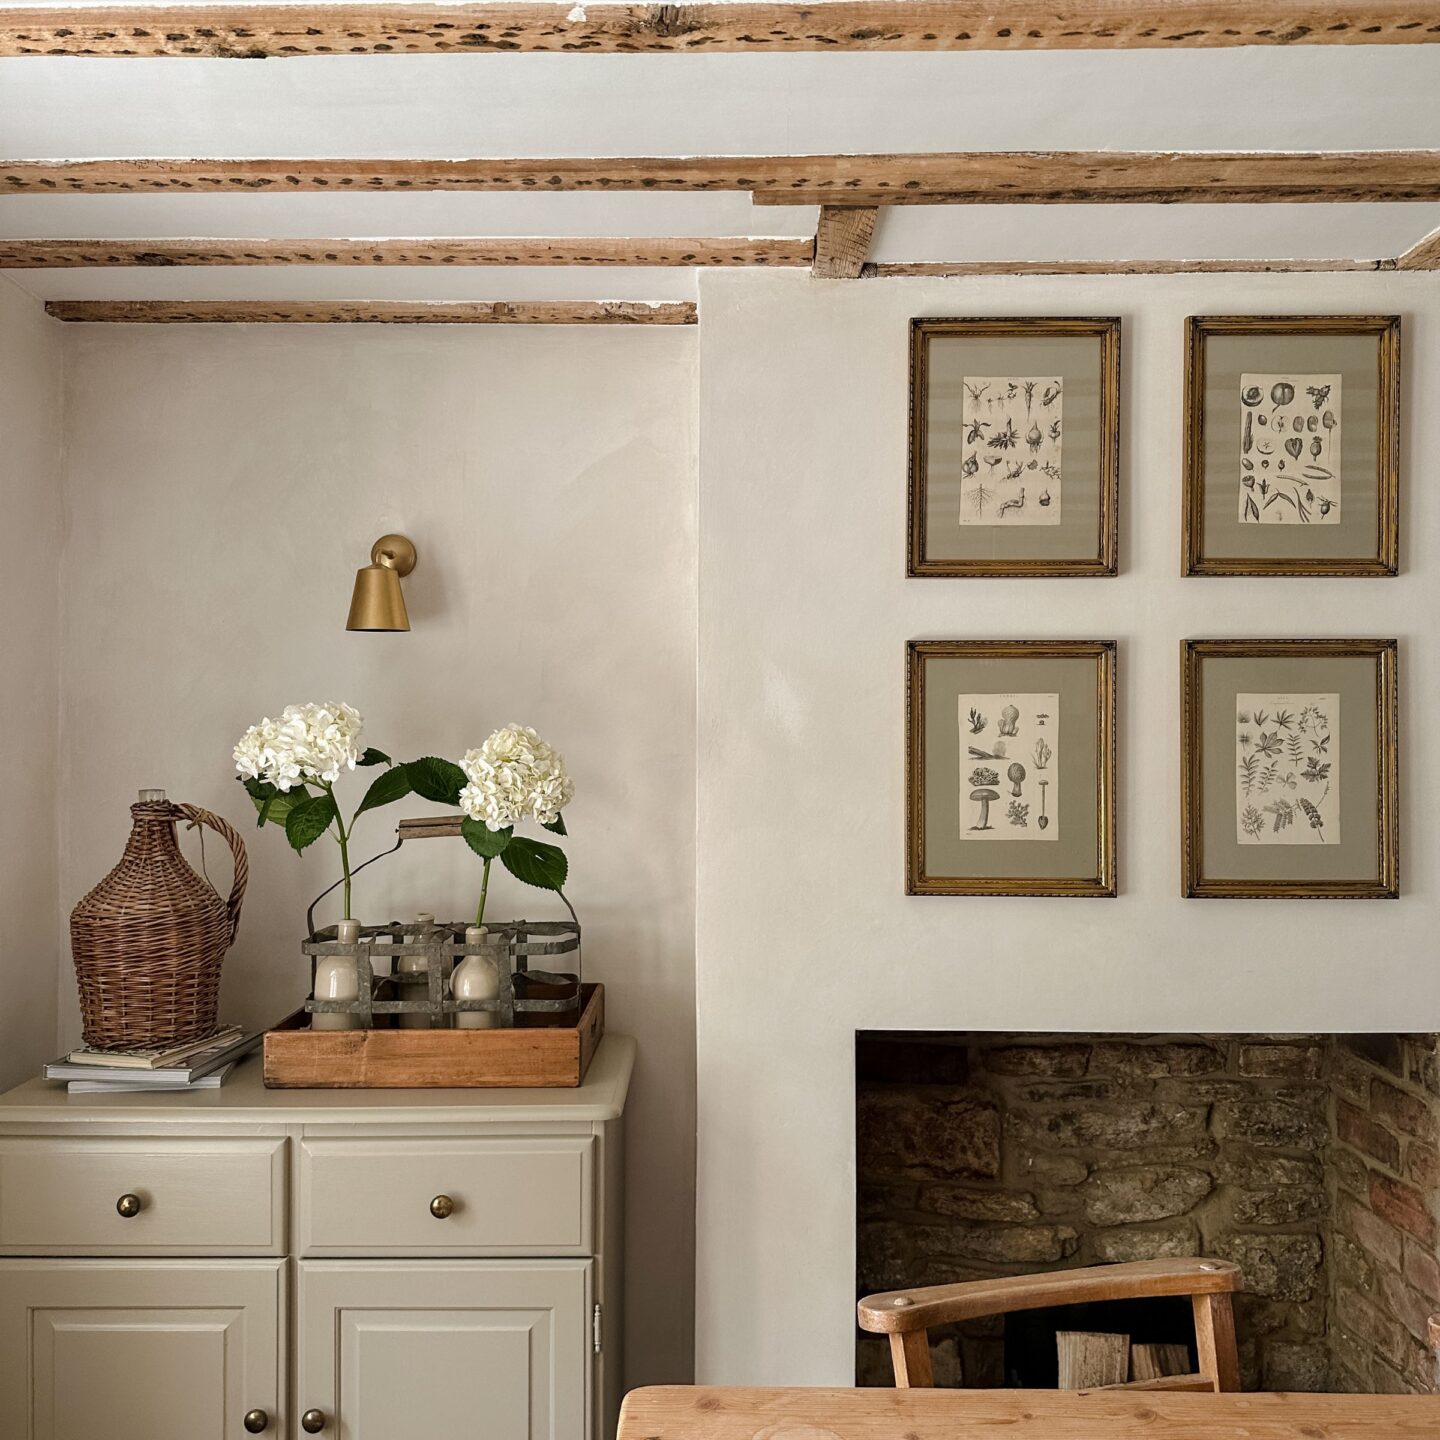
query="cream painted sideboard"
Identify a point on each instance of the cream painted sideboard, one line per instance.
(361, 1265)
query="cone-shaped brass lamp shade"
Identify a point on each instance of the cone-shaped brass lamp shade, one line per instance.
(378, 602)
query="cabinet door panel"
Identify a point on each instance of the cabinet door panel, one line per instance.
(173, 1351)
(471, 1350)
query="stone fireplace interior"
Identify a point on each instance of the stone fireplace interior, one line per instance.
(1311, 1161)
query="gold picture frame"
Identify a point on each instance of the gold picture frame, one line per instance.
(1364, 536)
(941, 543)
(1010, 681)
(1227, 859)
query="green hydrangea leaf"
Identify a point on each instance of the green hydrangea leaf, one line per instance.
(434, 779)
(484, 841)
(543, 866)
(307, 821)
(386, 788)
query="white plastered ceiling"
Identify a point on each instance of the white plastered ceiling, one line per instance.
(542, 106)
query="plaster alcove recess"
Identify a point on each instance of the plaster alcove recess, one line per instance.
(1309, 1160)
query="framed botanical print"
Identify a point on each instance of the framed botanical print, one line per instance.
(1010, 767)
(1292, 445)
(1014, 446)
(1288, 754)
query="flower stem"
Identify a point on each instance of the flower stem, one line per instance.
(484, 885)
(343, 836)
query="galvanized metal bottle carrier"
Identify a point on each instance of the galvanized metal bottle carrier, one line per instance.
(512, 944)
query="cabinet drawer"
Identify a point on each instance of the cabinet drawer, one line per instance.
(506, 1197)
(196, 1196)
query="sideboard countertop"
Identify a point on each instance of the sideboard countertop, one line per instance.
(244, 1100)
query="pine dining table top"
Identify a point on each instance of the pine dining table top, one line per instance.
(679, 1412)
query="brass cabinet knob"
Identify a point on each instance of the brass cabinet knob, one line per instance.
(257, 1421)
(312, 1422)
(442, 1207)
(128, 1206)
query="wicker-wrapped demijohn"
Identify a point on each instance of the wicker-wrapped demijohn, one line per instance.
(150, 938)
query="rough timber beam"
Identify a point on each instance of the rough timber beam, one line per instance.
(842, 242)
(113, 254)
(941, 268)
(371, 312)
(976, 178)
(1423, 256)
(743, 26)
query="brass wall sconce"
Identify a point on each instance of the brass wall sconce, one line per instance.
(378, 602)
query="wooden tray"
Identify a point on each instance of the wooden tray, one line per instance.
(298, 1058)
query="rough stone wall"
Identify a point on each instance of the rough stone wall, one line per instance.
(984, 1155)
(1384, 1176)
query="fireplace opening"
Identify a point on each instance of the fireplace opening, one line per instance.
(1031, 1345)
(1311, 1161)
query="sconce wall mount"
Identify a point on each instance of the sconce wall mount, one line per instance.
(378, 602)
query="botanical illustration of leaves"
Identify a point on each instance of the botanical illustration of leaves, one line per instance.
(1315, 770)
(1284, 719)
(1268, 744)
(1317, 821)
(1252, 822)
(1284, 813)
(1295, 748)
(1249, 765)
(1267, 777)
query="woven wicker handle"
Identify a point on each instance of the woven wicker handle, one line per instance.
(231, 837)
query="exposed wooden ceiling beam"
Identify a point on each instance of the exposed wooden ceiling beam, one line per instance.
(1080, 177)
(943, 268)
(979, 178)
(109, 254)
(371, 312)
(842, 242)
(745, 26)
(1423, 256)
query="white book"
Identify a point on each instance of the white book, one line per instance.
(129, 1085)
(224, 1051)
(154, 1058)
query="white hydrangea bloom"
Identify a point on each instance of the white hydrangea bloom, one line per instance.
(307, 743)
(515, 776)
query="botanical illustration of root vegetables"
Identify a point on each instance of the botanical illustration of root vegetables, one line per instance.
(1012, 429)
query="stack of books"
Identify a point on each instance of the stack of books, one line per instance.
(200, 1065)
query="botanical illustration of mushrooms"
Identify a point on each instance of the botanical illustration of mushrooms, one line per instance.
(1009, 720)
(1016, 772)
(984, 797)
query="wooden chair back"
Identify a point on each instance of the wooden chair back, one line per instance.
(907, 1315)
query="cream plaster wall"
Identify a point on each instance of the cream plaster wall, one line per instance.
(225, 483)
(804, 933)
(30, 509)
